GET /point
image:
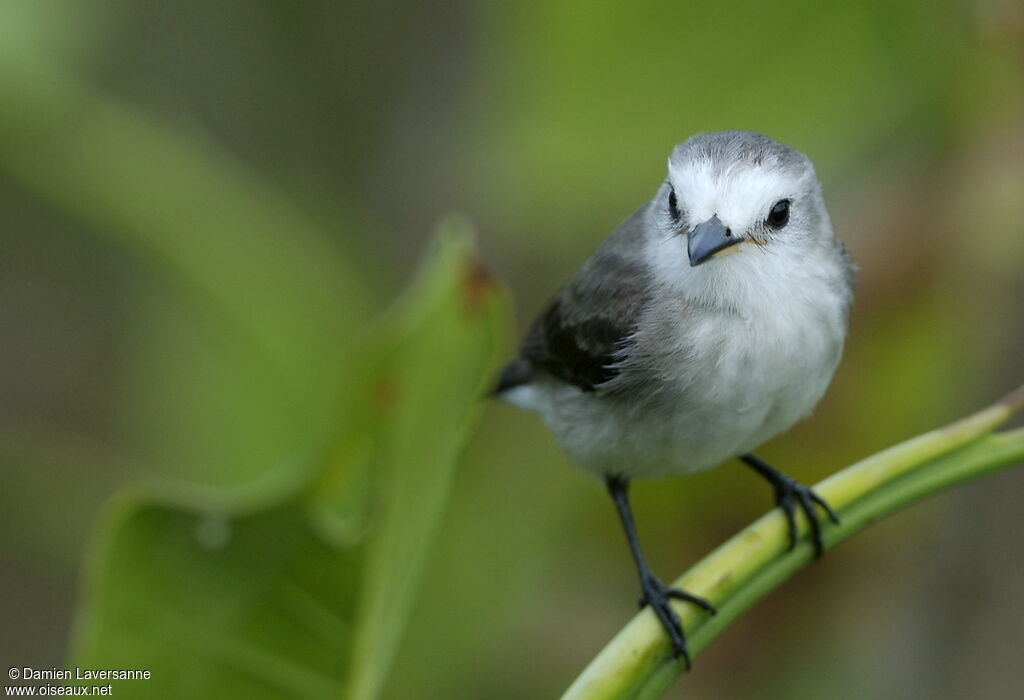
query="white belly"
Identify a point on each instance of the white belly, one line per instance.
(739, 383)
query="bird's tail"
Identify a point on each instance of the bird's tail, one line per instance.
(516, 373)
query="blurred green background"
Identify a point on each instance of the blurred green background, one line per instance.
(203, 203)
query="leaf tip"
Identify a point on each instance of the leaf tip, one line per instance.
(477, 282)
(1015, 399)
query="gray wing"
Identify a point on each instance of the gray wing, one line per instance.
(577, 336)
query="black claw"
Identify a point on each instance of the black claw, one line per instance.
(784, 499)
(807, 505)
(655, 593)
(827, 508)
(680, 594)
(786, 490)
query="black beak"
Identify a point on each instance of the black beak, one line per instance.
(708, 238)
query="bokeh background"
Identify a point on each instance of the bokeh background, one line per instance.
(193, 192)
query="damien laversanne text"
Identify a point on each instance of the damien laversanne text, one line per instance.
(84, 674)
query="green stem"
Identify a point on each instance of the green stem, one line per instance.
(637, 663)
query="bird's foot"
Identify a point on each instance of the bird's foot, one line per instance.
(790, 493)
(657, 595)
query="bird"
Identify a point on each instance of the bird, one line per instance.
(709, 321)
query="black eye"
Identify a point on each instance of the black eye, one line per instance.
(673, 205)
(779, 215)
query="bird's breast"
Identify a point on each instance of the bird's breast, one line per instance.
(700, 385)
(752, 375)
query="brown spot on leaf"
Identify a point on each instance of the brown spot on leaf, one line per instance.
(384, 396)
(477, 282)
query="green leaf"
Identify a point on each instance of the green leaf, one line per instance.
(442, 370)
(299, 586)
(219, 605)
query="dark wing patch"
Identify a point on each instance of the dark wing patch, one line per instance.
(579, 351)
(579, 334)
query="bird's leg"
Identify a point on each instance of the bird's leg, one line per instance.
(788, 493)
(655, 593)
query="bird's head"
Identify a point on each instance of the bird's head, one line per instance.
(738, 191)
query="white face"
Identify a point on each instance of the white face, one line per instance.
(737, 214)
(741, 197)
(734, 188)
